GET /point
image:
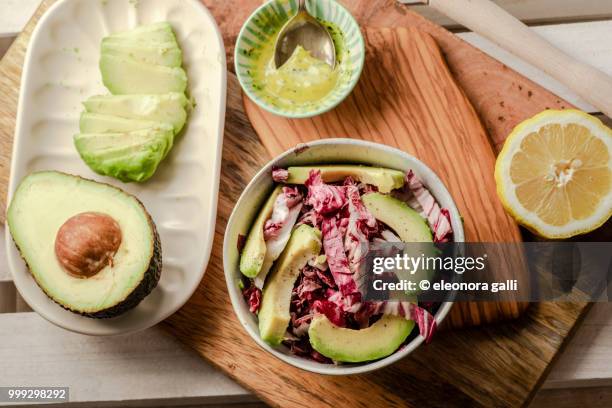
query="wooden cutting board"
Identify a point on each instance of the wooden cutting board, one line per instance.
(497, 365)
(501, 96)
(407, 98)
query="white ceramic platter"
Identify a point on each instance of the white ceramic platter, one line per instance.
(60, 71)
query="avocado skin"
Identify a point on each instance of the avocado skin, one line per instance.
(145, 287)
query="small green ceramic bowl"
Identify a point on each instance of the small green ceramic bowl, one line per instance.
(261, 29)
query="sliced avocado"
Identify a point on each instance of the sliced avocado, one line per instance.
(131, 156)
(254, 251)
(166, 54)
(385, 179)
(41, 207)
(124, 75)
(99, 123)
(409, 226)
(304, 244)
(355, 346)
(122, 140)
(170, 107)
(407, 223)
(153, 33)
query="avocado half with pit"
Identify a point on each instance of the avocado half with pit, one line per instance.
(91, 247)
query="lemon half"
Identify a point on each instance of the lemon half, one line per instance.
(554, 173)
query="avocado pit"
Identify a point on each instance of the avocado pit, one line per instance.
(86, 243)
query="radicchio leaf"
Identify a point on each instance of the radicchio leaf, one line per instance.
(252, 295)
(424, 202)
(332, 311)
(289, 199)
(279, 175)
(277, 229)
(361, 225)
(336, 257)
(324, 198)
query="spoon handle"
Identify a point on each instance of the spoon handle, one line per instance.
(486, 18)
(301, 5)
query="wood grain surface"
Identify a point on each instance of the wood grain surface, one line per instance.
(407, 98)
(502, 98)
(497, 365)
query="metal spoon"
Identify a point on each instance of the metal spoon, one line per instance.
(303, 29)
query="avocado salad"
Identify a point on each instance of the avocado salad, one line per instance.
(127, 134)
(301, 260)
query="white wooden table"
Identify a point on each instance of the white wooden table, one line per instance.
(153, 369)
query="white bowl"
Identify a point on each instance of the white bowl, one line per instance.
(252, 198)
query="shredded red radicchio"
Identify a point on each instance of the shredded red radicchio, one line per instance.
(324, 198)
(280, 175)
(252, 295)
(337, 260)
(423, 202)
(361, 226)
(289, 198)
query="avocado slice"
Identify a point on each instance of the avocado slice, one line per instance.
(304, 244)
(254, 251)
(100, 123)
(167, 54)
(407, 223)
(152, 33)
(124, 141)
(409, 226)
(125, 75)
(131, 156)
(41, 206)
(170, 107)
(355, 346)
(385, 179)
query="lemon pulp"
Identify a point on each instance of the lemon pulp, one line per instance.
(555, 175)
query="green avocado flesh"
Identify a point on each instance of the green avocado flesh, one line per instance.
(166, 54)
(385, 179)
(304, 244)
(152, 33)
(169, 108)
(379, 340)
(125, 75)
(98, 123)
(131, 156)
(44, 201)
(410, 227)
(127, 134)
(407, 223)
(254, 251)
